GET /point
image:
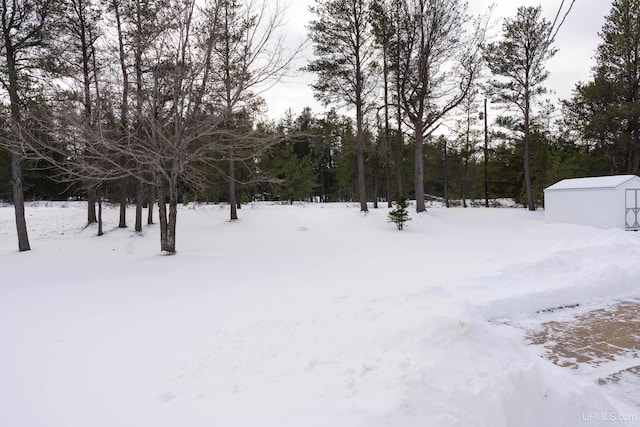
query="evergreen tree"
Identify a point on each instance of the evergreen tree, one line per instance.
(591, 117)
(468, 141)
(327, 137)
(294, 174)
(27, 28)
(606, 110)
(399, 215)
(290, 162)
(345, 65)
(383, 30)
(519, 59)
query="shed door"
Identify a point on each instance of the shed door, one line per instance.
(632, 208)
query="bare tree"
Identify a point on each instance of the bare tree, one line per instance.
(105, 152)
(116, 7)
(178, 129)
(146, 21)
(250, 56)
(439, 62)
(81, 32)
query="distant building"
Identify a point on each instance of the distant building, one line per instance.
(603, 202)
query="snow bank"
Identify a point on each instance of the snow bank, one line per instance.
(570, 272)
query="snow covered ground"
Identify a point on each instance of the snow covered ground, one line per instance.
(304, 315)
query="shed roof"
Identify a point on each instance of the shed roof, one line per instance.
(592, 182)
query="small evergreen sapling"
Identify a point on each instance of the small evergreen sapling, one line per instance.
(399, 214)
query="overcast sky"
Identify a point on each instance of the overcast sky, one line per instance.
(576, 43)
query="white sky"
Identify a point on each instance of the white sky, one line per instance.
(576, 43)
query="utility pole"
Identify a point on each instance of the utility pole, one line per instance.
(486, 157)
(446, 173)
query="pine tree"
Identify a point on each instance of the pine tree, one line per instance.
(399, 214)
(345, 66)
(295, 179)
(606, 110)
(26, 54)
(519, 59)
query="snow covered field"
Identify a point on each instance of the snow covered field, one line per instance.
(304, 315)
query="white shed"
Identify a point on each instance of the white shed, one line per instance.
(603, 202)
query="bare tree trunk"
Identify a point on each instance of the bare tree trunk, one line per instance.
(123, 204)
(399, 149)
(375, 189)
(362, 188)
(168, 221)
(387, 148)
(467, 153)
(139, 94)
(527, 156)
(233, 204)
(397, 60)
(86, 52)
(139, 203)
(387, 179)
(16, 159)
(486, 157)
(419, 168)
(91, 205)
(446, 177)
(162, 215)
(100, 215)
(95, 191)
(124, 108)
(150, 204)
(464, 182)
(170, 247)
(18, 203)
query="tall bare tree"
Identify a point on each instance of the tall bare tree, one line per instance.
(137, 25)
(250, 56)
(177, 127)
(439, 61)
(180, 69)
(146, 21)
(81, 32)
(117, 8)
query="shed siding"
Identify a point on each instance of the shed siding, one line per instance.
(593, 207)
(581, 201)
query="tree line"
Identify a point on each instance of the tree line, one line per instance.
(161, 100)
